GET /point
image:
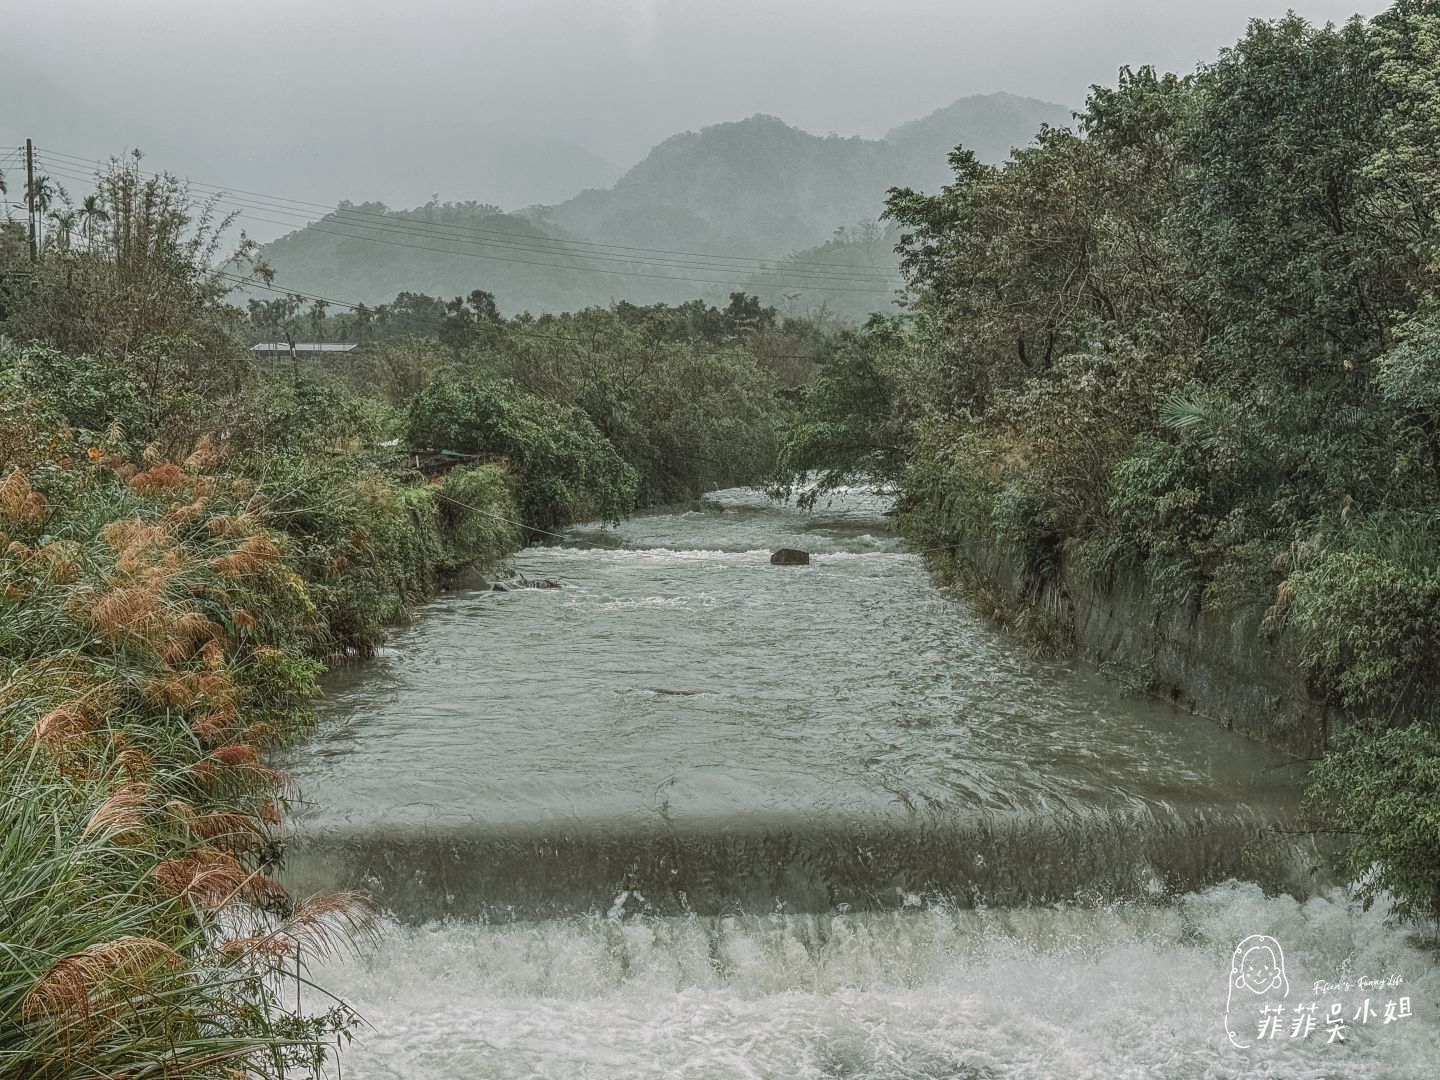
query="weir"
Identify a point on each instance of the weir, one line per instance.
(810, 867)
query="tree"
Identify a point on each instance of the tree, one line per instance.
(1196, 340)
(64, 222)
(39, 194)
(1293, 235)
(317, 319)
(157, 270)
(568, 471)
(849, 426)
(92, 211)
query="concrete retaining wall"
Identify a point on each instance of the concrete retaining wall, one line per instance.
(1216, 665)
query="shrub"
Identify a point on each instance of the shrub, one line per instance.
(1362, 603)
(565, 469)
(1379, 790)
(368, 547)
(159, 631)
(153, 643)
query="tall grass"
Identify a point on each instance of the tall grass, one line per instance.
(160, 625)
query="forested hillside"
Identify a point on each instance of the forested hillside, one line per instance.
(853, 249)
(361, 251)
(990, 125)
(760, 186)
(756, 186)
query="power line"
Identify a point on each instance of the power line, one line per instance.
(402, 227)
(825, 288)
(498, 517)
(246, 282)
(88, 162)
(396, 225)
(764, 263)
(790, 278)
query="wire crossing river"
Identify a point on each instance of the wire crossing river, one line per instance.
(696, 815)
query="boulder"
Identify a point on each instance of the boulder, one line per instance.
(520, 581)
(790, 557)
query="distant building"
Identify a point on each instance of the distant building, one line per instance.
(284, 348)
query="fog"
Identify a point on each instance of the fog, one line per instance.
(522, 102)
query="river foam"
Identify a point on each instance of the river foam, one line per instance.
(1112, 991)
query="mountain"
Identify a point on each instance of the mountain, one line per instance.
(762, 187)
(367, 252)
(753, 189)
(989, 124)
(756, 186)
(850, 260)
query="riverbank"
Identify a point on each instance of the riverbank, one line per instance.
(162, 629)
(1175, 367)
(193, 537)
(1221, 665)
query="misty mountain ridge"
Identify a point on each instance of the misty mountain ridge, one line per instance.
(368, 252)
(989, 123)
(762, 187)
(750, 187)
(757, 188)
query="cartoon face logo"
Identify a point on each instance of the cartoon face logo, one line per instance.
(1257, 967)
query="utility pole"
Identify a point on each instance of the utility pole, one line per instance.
(30, 196)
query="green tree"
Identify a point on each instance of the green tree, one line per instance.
(39, 195)
(94, 215)
(64, 222)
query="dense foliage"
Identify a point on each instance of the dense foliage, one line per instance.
(1197, 337)
(161, 626)
(569, 471)
(688, 396)
(184, 541)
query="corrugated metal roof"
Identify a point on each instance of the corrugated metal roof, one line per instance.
(303, 346)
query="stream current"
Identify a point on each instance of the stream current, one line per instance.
(692, 814)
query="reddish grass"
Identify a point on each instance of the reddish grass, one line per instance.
(207, 876)
(19, 502)
(78, 985)
(237, 755)
(123, 814)
(64, 725)
(159, 478)
(255, 555)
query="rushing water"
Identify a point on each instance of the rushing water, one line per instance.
(692, 814)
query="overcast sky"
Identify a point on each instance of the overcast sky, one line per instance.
(524, 101)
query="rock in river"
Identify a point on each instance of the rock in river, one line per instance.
(790, 557)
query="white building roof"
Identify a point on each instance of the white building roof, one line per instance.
(303, 346)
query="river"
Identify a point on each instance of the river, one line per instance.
(695, 815)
